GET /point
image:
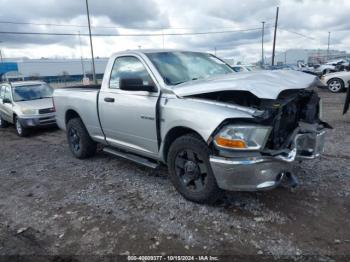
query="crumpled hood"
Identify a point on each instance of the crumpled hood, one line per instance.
(36, 104)
(264, 84)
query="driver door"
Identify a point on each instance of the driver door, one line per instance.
(128, 118)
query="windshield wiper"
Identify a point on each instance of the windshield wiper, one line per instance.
(177, 83)
(193, 79)
(41, 97)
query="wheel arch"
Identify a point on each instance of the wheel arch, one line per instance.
(172, 135)
(336, 78)
(341, 81)
(70, 114)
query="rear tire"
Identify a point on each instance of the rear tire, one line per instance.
(3, 123)
(20, 130)
(335, 85)
(79, 140)
(190, 170)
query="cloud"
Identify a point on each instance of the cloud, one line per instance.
(131, 13)
(311, 18)
(242, 11)
(137, 13)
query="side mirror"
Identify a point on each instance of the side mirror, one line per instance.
(6, 101)
(136, 84)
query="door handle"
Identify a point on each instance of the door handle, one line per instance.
(109, 99)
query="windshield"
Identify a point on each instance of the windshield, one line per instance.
(31, 92)
(180, 67)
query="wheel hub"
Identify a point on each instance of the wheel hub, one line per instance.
(18, 126)
(74, 139)
(334, 85)
(192, 169)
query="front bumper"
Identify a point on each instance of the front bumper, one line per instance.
(264, 172)
(38, 121)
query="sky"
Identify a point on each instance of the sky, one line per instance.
(302, 24)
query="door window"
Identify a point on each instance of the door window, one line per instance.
(128, 67)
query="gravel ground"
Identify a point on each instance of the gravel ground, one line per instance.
(54, 204)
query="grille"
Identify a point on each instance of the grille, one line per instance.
(46, 110)
(289, 121)
(295, 108)
(47, 120)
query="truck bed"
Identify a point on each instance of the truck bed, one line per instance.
(80, 100)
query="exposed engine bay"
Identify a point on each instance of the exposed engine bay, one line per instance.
(295, 110)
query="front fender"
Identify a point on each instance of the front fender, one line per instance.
(199, 116)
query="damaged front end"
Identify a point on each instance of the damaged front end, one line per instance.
(295, 132)
(296, 124)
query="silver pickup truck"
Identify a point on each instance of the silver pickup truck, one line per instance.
(215, 129)
(27, 105)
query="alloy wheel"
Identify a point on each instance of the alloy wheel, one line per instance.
(191, 170)
(334, 86)
(74, 139)
(19, 127)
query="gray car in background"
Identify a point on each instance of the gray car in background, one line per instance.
(26, 105)
(214, 128)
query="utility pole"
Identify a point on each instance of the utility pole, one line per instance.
(274, 38)
(81, 57)
(1, 59)
(285, 57)
(91, 47)
(262, 43)
(329, 40)
(215, 50)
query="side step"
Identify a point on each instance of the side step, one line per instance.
(135, 158)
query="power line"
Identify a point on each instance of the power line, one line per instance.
(144, 34)
(40, 24)
(59, 60)
(105, 27)
(296, 33)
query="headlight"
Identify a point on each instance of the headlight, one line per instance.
(28, 111)
(242, 137)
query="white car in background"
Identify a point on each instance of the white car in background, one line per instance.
(27, 105)
(336, 82)
(243, 68)
(331, 66)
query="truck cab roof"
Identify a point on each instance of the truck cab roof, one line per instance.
(149, 51)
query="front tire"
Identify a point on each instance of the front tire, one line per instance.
(190, 170)
(20, 129)
(3, 123)
(79, 140)
(335, 85)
